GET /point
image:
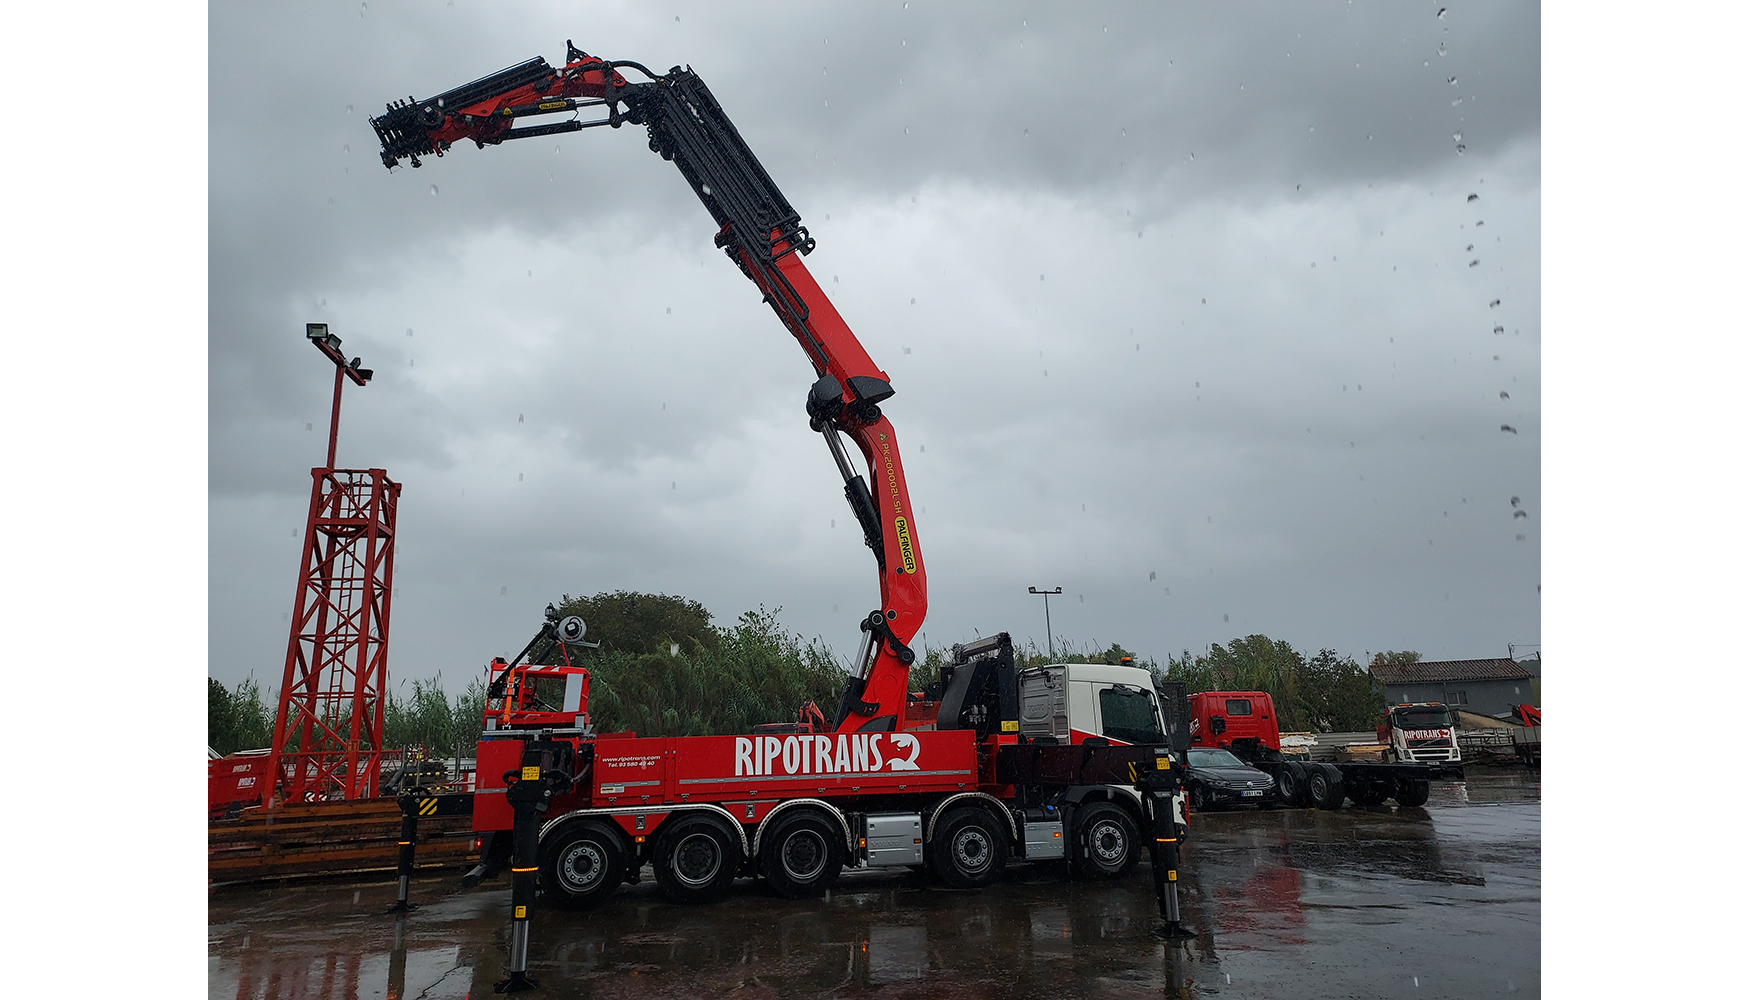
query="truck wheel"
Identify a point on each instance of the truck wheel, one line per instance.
(1318, 786)
(968, 851)
(695, 859)
(1290, 784)
(582, 865)
(1413, 792)
(1332, 796)
(802, 854)
(1106, 841)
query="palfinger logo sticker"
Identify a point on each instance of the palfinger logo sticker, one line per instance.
(907, 562)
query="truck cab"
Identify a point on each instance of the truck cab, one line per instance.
(1071, 703)
(1419, 731)
(1235, 719)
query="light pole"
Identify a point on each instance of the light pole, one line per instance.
(329, 345)
(1047, 595)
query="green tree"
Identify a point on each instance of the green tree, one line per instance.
(424, 720)
(1395, 656)
(758, 673)
(1031, 655)
(628, 622)
(237, 719)
(1321, 693)
(1338, 695)
(467, 717)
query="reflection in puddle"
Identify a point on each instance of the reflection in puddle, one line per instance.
(1284, 903)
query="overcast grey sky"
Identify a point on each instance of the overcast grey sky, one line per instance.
(1216, 317)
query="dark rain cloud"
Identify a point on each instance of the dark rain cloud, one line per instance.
(1178, 300)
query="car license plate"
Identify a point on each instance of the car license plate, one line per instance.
(1254, 793)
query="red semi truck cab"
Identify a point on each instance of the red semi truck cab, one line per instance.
(1226, 718)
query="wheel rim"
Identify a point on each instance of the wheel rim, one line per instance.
(1318, 785)
(972, 851)
(1106, 843)
(1198, 798)
(582, 866)
(804, 855)
(697, 859)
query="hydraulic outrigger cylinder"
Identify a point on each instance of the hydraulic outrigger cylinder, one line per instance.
(1160, 791)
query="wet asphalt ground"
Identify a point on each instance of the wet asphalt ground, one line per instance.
(1437, 901)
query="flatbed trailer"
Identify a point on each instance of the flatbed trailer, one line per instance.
(1245, 724)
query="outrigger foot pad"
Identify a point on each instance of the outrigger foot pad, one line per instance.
(517, 983)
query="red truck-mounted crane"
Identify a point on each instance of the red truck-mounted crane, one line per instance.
(882, 783)
(764, 236)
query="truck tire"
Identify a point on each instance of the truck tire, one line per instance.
(1290, 785)
(1413, 792)
(695, 858)
(968, 850)
(1324, 786)
(802, 854)
(582, 864)
(1106, 841)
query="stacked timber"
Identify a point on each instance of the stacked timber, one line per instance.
(306, 839)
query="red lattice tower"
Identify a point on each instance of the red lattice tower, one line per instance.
(328, 734)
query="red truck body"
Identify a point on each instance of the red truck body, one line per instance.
(642, 780)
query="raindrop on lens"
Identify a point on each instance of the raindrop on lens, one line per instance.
(434, 190)
(349, 109)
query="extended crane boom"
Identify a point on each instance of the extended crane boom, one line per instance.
(763, 234)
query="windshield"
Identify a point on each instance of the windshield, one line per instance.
(1129, 715)
(1422, 718)
(1214, 758)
